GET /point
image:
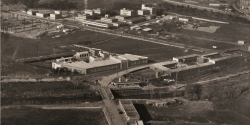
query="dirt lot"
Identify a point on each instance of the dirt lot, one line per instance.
(56, 117)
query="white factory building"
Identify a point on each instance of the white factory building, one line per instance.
(150, 7)
(95, 60)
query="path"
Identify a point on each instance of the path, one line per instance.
(112, 108)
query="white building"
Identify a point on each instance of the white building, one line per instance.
(127, 12)
(150, 7)
(184, 19)
(43, 14)
(143, 12)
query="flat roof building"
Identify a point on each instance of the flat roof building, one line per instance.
(95, 60)
(43, 14)
(150, 7)
(127, 12)
(186, 59)
(143, 12)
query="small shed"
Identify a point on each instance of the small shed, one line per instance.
(241, 42)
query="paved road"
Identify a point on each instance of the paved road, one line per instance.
(112, 108)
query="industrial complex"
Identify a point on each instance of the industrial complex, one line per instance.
(95, 60)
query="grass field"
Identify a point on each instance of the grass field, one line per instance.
(227, 32)
(29, 116)
(154, 51)
(16, 47)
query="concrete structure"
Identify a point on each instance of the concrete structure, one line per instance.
(55, 16)
(97, 24)
(95, 60)
(129, 110)
(99, 11)
(184, 19)
(122, 17)
(149, 7)
(109, 20)
(43, 14)
(89, 12)
(127, 12)
(186, 59)
(32, 12)
(241, 42)
(143, 12)
(58, 12)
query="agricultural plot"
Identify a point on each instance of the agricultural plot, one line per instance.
(33, 116)
(210, 29)
(26, 27)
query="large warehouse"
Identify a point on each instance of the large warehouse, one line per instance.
(96, 60)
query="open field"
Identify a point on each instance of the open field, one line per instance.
(47, 93)
(16, 47)
(154, 51)
(29, 116)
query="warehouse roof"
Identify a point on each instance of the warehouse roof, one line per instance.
(132, 57)
(191, 67)
(84, 65)
(166, 63)
(210, 54)
(188, 56)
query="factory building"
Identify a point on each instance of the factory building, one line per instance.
(186, 59)
(127, 12)
(97, 24)
(122, 17)
(205, 64)
(95, 60)
(109, 20)
(129, 111)
(43, 14)
(149, 7)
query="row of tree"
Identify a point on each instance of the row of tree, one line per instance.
(168, 7)
(57, 4)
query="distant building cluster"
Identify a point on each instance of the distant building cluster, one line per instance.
(46, 14)
(96, 60)
(98, 17)
(244, 4)
(193, 65)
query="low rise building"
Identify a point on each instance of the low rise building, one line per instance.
(143, 12)
(55, 16)
(186, 59)
(32, 12)
(97, 24)
(127, 12)
(150, 7)
(43, 14)
(95, 60)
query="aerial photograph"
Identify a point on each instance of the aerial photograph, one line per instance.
(125, 62)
